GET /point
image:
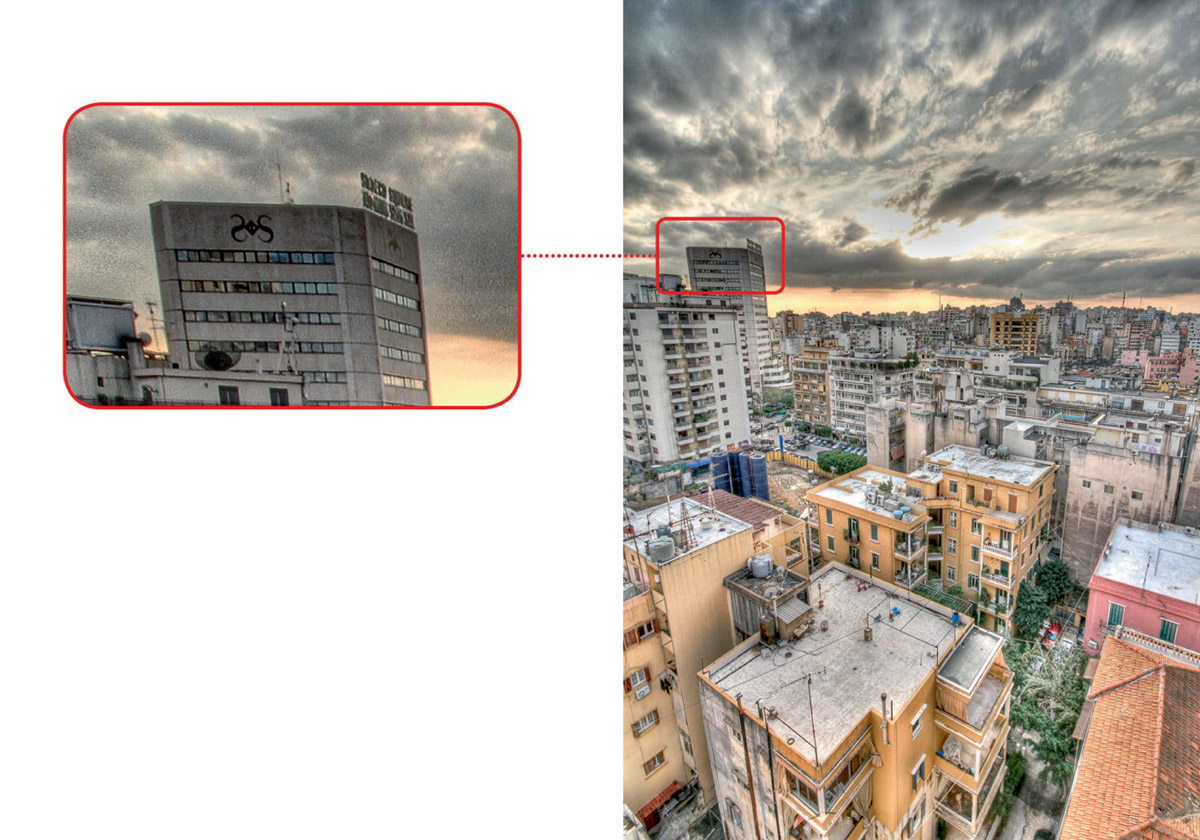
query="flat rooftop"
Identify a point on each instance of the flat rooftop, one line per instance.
(971, 658)
(1166, 562)
(646, 522)
(1014, 469)
(848, 672)
(852, 490)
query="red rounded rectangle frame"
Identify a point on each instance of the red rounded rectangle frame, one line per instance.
(782, 248)
(141, 406)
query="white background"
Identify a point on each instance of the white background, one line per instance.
(318, 624)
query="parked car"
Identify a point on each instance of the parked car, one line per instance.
(1052, 633)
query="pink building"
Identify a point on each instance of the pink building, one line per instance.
(1189, 369)
(1134, 358)
(1147, 579)
(1163, 366)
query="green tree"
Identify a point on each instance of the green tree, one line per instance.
(824, 431)
(840, 463)
(1033, 607)
(1055, 579)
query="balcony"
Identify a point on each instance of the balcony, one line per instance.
(972, 718)
(996, 550)
(1001, 580)
(850, 536)
(935, 530)
(1003, 609)
(911, 575)
(909, 549)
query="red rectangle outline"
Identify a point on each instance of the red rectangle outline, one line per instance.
(294, 407)
(782, 248)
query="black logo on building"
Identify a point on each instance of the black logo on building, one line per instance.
(714, 255)
(253, 228)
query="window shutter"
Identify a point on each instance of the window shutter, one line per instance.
(646, 671)
(628, 686)
(656, 625)
(631, 638)
(636, 732)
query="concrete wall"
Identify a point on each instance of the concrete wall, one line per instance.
(1144, 612)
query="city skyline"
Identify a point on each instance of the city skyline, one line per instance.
(977, 152)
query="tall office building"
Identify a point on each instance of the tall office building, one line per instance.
(715, 269)
(332, 293)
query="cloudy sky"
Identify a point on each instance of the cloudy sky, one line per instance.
(976, 149)
(458, 164)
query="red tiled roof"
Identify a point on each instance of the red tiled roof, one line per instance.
(750, 511)
(658, 801)
(1138, 770)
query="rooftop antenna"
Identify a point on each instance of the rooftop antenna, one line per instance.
(279, 172)
(685, 526)
(290, 200)
(153, 321)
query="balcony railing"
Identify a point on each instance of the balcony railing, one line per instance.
(992, 577)
(998, 551)
(909, 549)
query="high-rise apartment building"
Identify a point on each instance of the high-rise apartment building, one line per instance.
(684, 394)
(1015, 331)
(859, 379)
(810, 386)
(331, 293)
(717, 269)
(879, 714)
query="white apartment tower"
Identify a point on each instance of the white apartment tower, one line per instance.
(684, 395)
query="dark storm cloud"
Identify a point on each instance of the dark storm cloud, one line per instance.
(1075, 124)
(458, 164)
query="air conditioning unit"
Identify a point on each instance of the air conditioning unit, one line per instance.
(644, 691)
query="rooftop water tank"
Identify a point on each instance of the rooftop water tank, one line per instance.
(662, 549)
(760, 565)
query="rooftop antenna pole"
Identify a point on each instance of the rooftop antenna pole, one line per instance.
(153, 321)
(279, 172)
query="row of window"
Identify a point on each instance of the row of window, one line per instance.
(266, 346)
(290, 257)
(210, 316)
(257, 288)
(404, 382)
(1167, 630)
(394, 270)
(317, 376)
(399, 300)
(397, 327)
(229, 395)
(402, 355)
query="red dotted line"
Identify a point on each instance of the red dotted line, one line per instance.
(588, 256)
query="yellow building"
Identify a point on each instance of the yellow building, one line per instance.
(677, 618)
(881, 713)
(810, 386)
(975, 521)
(1016, 331)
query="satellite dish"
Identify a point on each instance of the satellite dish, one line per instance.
(210, 357)
(144, 339)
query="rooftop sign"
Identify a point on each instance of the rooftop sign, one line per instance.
(387, 201)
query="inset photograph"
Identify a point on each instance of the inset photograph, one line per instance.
(292, 256)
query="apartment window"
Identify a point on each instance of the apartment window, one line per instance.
(646, 629)
(953, 487)
(952, 546)
(974, 554)
(639, 677)
(950, 573)
(1087, 485)
(874, 561)
(917, 722)
(1136, 496)
(1167, 630)
(736, 733)
(874, 532)
(735, 813)
(228, 395)
(685, 742)
(972, 581)
(1108, 489)
(918, 773)
(802, 791)
(654, 763)
(279, 396)
(1116, 614)
(828, 516)
(404, 382)
(830, 539)
(976, 528)
(645, 722)
(953, 519)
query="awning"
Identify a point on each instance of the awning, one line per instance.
(658, 801)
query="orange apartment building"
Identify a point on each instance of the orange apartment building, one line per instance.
(968, 518)
(880, 715)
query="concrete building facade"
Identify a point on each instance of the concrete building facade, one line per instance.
(332, 294)
(718, 269)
